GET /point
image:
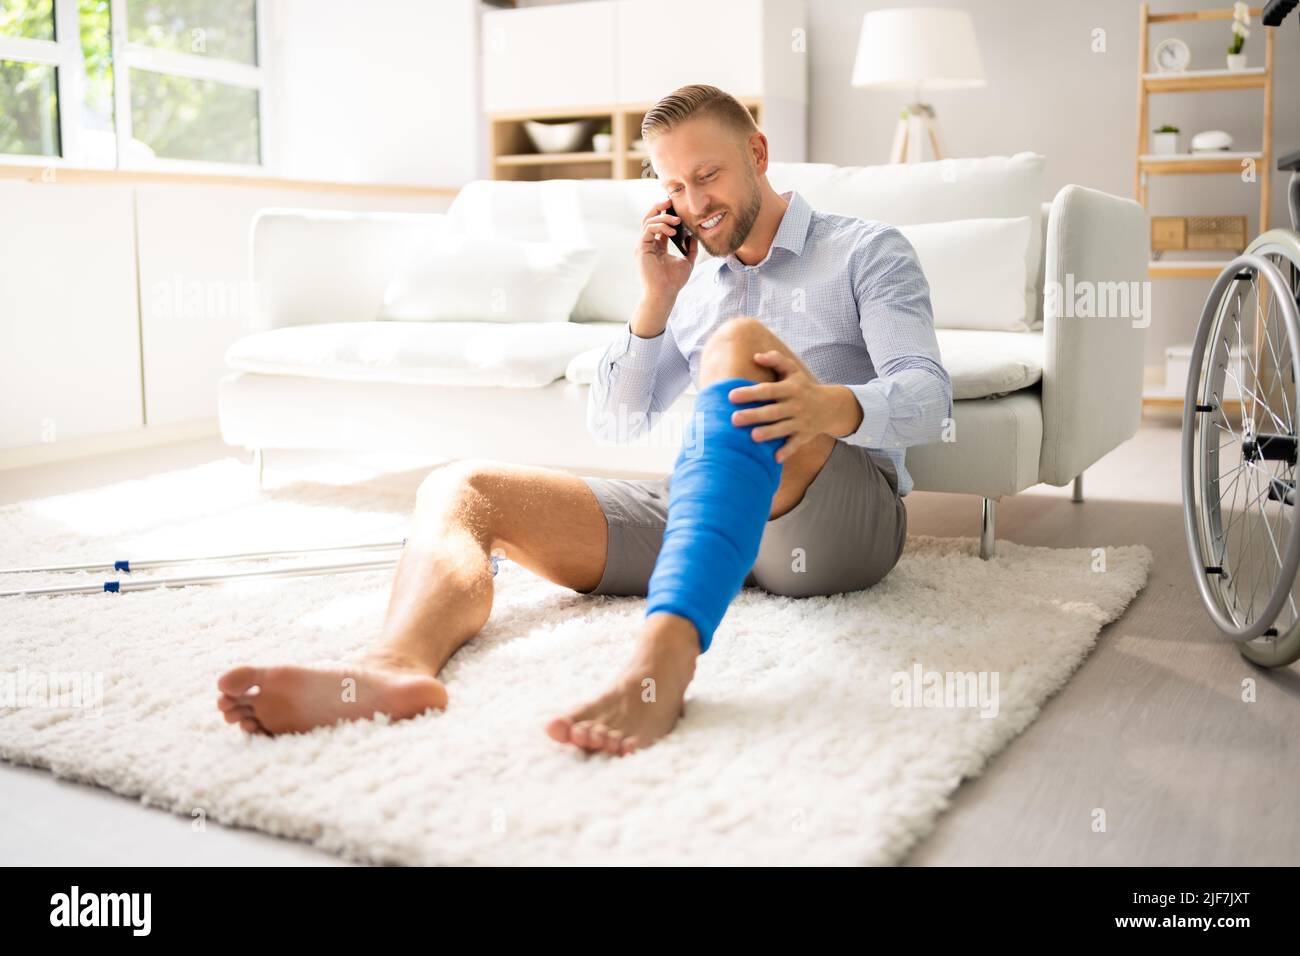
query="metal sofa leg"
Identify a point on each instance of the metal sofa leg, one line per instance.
(259, 462)
(1077, 493)
(988, 544)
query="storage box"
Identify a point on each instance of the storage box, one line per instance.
(1170, 233)
(1178, 361)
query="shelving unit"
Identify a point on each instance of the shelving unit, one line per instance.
(513, 156)
(1186, 164)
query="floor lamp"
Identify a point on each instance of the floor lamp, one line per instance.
(917, 49)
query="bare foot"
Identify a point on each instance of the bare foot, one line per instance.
(291, 700)
(644, 704)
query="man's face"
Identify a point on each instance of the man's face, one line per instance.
(710, 177)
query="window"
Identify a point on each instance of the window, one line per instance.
(31, 62)
(132, 84)
(190, 80)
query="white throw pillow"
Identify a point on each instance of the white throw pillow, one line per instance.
(976, 271)
(459, 278)
(602, 213)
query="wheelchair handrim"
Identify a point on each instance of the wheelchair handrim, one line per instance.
(1203, 523)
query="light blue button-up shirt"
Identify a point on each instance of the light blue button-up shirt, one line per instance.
(846, 295)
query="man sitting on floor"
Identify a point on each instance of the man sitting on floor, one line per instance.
(811, 341)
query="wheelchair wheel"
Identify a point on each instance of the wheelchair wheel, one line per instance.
(1240, 418)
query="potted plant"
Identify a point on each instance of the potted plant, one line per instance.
(1240, 18)
(1164, 140)
(603, 140)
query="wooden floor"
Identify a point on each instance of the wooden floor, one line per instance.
(1152, 729)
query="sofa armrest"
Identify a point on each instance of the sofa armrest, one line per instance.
(311, 266)
(1095, 313)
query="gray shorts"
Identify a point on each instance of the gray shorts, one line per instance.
(845, 534)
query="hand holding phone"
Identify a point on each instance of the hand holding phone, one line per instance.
(662, 273)
(683, 238)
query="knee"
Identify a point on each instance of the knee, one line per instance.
(729, 351)
(742, 335)
(457, 487)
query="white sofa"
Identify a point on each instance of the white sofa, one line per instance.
(318, 372)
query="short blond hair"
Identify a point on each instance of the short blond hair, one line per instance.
(698, 99)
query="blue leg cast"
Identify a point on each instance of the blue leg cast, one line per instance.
(718, 504)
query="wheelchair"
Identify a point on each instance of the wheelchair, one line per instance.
(1239, 441)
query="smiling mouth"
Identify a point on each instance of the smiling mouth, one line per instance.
(711, 223)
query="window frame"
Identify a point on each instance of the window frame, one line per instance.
(65, 55)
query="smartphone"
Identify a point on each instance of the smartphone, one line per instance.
(683, 237)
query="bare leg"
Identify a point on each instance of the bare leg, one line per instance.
(545, 520)
(646, 701)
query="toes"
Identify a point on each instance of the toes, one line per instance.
(596, 737)
(251, 726)
(560, 730)
(226, 703)
(611, 740)
(580, 734)
(632, 744)
(236, 714)
(239, 681)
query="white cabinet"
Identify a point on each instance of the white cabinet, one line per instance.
(629, 52)
(663, 45)
(69, 335)
(543, 59)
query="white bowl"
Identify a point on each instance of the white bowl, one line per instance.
(569, 137)
(1211, 140)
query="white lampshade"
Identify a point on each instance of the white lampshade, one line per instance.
(924, 48)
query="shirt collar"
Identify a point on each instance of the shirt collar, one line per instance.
(791, 234)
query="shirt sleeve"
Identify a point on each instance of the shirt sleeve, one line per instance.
(910, 400)
(637, 379)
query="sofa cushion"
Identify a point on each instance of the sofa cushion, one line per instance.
(980, 363)
(976, 271)
(452, 277)
(513, 355)
(996, 187)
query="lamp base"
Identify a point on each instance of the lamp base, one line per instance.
(915, 125)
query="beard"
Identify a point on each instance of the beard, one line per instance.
(737, 224)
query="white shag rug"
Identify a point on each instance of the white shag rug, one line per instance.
(793, 749)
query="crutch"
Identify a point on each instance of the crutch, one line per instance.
(141, 565)
(116, 587)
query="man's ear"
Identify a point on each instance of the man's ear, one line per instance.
(757, 146)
